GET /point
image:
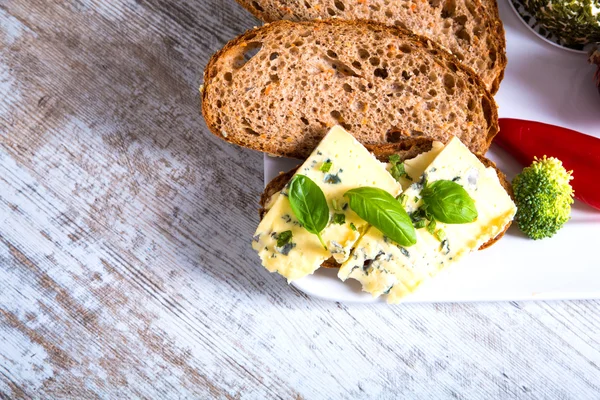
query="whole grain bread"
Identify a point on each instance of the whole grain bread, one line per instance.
(499, 38)
(470, 29)
(406, 150)
(280, 87)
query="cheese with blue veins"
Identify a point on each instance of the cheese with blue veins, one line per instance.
(338, 164)
(383, 267)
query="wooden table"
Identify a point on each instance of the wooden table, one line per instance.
(125, 262)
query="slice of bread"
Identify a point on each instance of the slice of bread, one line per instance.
(280, 87)
(406, 150)
(499, 39)
(470, 29)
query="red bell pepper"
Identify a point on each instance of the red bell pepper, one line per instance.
(578, 152)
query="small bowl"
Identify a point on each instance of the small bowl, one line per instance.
(530, 22)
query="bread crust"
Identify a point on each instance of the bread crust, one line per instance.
(491, 7)
(406, 151)
(209, 109)
(488, 9)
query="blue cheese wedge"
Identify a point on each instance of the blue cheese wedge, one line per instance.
(338, 164)
(383, 267)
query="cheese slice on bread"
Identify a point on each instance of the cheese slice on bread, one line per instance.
(359, 247)
(337, 165)
(383, 267)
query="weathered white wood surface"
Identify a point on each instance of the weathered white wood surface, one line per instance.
(125, 264)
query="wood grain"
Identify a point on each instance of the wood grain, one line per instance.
(125, 264)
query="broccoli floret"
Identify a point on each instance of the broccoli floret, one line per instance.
(543, 196)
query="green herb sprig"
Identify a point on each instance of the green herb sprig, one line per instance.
(384, 212)
(309, 205)
(449, 202)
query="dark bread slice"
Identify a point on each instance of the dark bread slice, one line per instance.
(383, 84)
(406, 151)
(470, 29)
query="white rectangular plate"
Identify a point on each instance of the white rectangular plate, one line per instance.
(541, 83)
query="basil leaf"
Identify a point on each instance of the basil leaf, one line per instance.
(309, 205)
(448, 202)
(384, 212)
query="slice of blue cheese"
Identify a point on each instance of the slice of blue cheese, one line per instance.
(384, 267)
(414, 167)
(338, 164)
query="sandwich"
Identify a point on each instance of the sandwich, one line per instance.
(360, 249)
